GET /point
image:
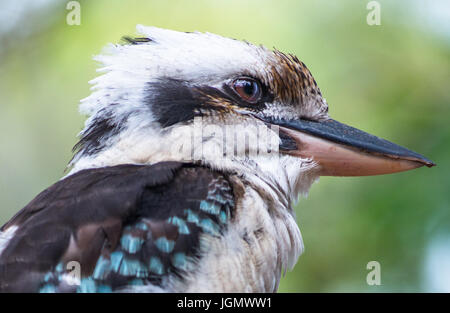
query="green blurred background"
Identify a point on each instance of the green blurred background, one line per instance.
(391, 80)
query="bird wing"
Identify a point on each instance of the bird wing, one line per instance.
(121, 226)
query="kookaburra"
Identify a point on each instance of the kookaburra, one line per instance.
(184, 176)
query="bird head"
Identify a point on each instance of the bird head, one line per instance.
(227, 104)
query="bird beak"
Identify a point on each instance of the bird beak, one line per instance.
(341, 150)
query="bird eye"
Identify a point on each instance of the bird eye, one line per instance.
(248, 89)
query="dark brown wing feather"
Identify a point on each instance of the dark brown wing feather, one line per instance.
(125, 225)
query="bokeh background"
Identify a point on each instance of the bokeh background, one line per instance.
(392, 80)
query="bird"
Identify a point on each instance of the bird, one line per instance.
(195, 149)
